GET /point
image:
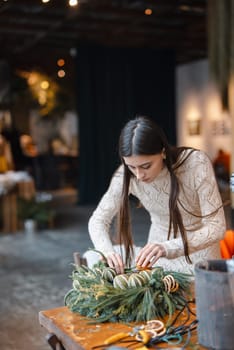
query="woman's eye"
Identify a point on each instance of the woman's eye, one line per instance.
(146, 166)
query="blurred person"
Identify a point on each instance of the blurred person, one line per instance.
(6, 161)
(221, 165)
(12, 135)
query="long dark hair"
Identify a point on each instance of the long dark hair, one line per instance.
(142, 136)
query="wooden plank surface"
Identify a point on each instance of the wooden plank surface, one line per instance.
(9, 210)
(76, 333)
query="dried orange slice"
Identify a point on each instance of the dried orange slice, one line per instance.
(143, 268)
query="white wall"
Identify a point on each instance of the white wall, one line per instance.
(198, 102)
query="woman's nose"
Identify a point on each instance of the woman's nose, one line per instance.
(139, 174)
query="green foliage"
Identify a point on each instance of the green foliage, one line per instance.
(95, 297)
(32, 209)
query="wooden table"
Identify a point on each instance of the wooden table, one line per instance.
(75, 332)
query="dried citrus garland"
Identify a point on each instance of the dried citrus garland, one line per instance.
(101, 294)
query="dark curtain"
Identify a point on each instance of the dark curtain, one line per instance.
(113, 85)
(221, 45)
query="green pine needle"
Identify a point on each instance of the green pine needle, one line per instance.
(98, 299)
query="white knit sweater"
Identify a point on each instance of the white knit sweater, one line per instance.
(199, 195)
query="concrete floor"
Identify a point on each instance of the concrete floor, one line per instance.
(35, 270)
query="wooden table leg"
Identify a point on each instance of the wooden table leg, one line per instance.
(10, 220)
(54, 342)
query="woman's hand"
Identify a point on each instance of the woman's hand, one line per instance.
(149, 254)
(115, 261)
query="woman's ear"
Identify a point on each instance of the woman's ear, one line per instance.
(164, 153)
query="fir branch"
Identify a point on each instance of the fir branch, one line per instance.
(95, 297)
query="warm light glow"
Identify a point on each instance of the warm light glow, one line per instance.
(73, 2)
(193, 114)
(184, 8)
(60, 62)
(42, 98)
(214, 107)
(148, 12)
(45, 1)
(43, 89)
(44, 84)
(32, 78)
(61, 73)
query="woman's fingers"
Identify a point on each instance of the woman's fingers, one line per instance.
(150, 254)
(115, 261)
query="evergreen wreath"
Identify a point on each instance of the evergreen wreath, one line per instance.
(137, 295)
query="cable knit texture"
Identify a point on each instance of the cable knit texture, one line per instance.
(199, 195)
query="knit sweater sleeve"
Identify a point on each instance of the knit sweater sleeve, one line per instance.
(99, 224)
(201, 185)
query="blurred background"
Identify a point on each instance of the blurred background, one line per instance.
(71, 74)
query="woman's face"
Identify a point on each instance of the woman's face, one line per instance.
(145, 168)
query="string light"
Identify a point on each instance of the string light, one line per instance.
(73, 2)
(148, 12)
(45, 84)
(184, 8)
(61, 62)
(61, 73)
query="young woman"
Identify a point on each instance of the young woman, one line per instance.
(177, 186)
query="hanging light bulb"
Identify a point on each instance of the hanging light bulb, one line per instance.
(73, 2)
(44, 84)
(148, 12)
(60, 62)
(61, 73)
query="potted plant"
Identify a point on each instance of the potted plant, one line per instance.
(33, 213)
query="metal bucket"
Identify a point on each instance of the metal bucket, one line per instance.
(214, 292)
